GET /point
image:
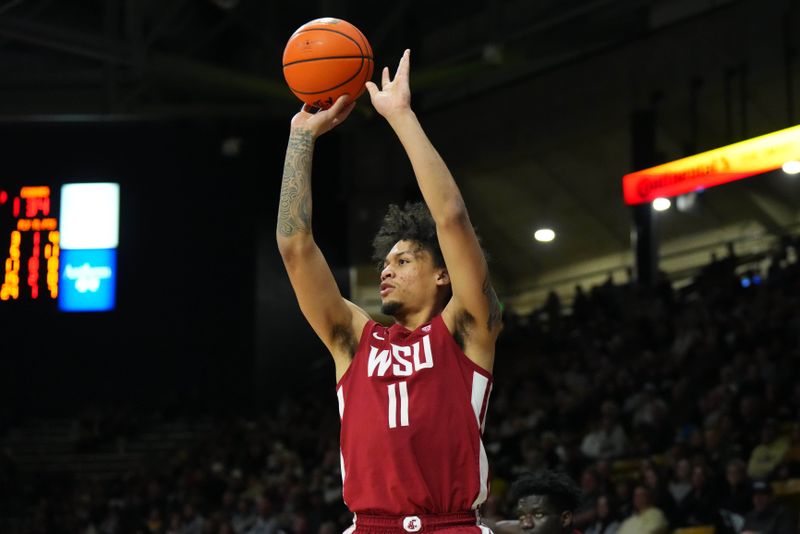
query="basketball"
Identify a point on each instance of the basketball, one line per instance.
(326, 58)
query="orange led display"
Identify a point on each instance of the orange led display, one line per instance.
(708, 169)
(39, 191)
(10, 287)
(25, 225)
(51, 255)
(33, 251)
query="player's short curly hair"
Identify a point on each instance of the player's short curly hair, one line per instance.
(413, 223)
(558, 487)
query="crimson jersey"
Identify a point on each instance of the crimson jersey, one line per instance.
(412, 408)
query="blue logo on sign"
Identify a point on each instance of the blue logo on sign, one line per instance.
(87, 281)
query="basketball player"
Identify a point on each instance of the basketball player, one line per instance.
(413, 396)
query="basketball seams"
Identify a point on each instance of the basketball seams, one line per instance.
(350, 79)
(311, 59)
(367, 47)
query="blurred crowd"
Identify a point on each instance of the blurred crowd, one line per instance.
(670, 406)
(687, 399)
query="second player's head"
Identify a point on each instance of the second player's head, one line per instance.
(546, 501)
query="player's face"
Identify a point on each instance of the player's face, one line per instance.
(537, 515)
(408, 278)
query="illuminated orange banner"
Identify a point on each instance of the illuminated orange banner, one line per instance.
(715, 167)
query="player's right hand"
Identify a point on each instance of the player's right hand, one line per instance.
(323, 120)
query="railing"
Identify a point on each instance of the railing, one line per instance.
(751, 251)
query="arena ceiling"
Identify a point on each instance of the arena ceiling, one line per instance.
(529, 101)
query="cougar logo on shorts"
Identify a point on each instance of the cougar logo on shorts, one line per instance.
(412, 523)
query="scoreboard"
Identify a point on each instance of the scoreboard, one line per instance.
(58, 245)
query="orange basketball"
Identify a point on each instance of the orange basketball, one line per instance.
(326, 58)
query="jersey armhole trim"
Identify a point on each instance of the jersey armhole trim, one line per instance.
(461, 355)
(361, 341)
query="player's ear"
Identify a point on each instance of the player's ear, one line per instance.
(566, 518)
(442, 278)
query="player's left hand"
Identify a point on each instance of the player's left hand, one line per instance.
(395, 94)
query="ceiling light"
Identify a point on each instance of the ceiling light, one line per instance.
(544, 235)
(791, 167)
(661, 204)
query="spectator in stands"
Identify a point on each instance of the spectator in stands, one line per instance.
(701, 505)
(175, 525)
(659, 492)
(265, 522)
(192, 521)
(647, 409)
(718, 451)
(591, 488)
(768, 517)
(623, 497)
(608, 439)
(750, 423)
(769, 453)
(155, 524)
(680, 485)
(606, 518)
(646, 518)
(580, 304)
(244, 518)
(735, 494)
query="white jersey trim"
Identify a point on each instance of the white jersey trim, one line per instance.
(340, 397)
(352, 527)
(480, 384)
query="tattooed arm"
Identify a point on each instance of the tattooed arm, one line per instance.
(337, 322)
(473, 313)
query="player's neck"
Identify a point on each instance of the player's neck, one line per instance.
(412, 321)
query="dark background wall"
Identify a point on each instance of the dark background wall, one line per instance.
(196, 241)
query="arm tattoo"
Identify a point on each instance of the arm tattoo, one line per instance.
(495, 313)
(294, 211)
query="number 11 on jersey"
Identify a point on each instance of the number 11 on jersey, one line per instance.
(394, 392)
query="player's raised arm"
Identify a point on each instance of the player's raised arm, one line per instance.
(473, 296)
(336, 321)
